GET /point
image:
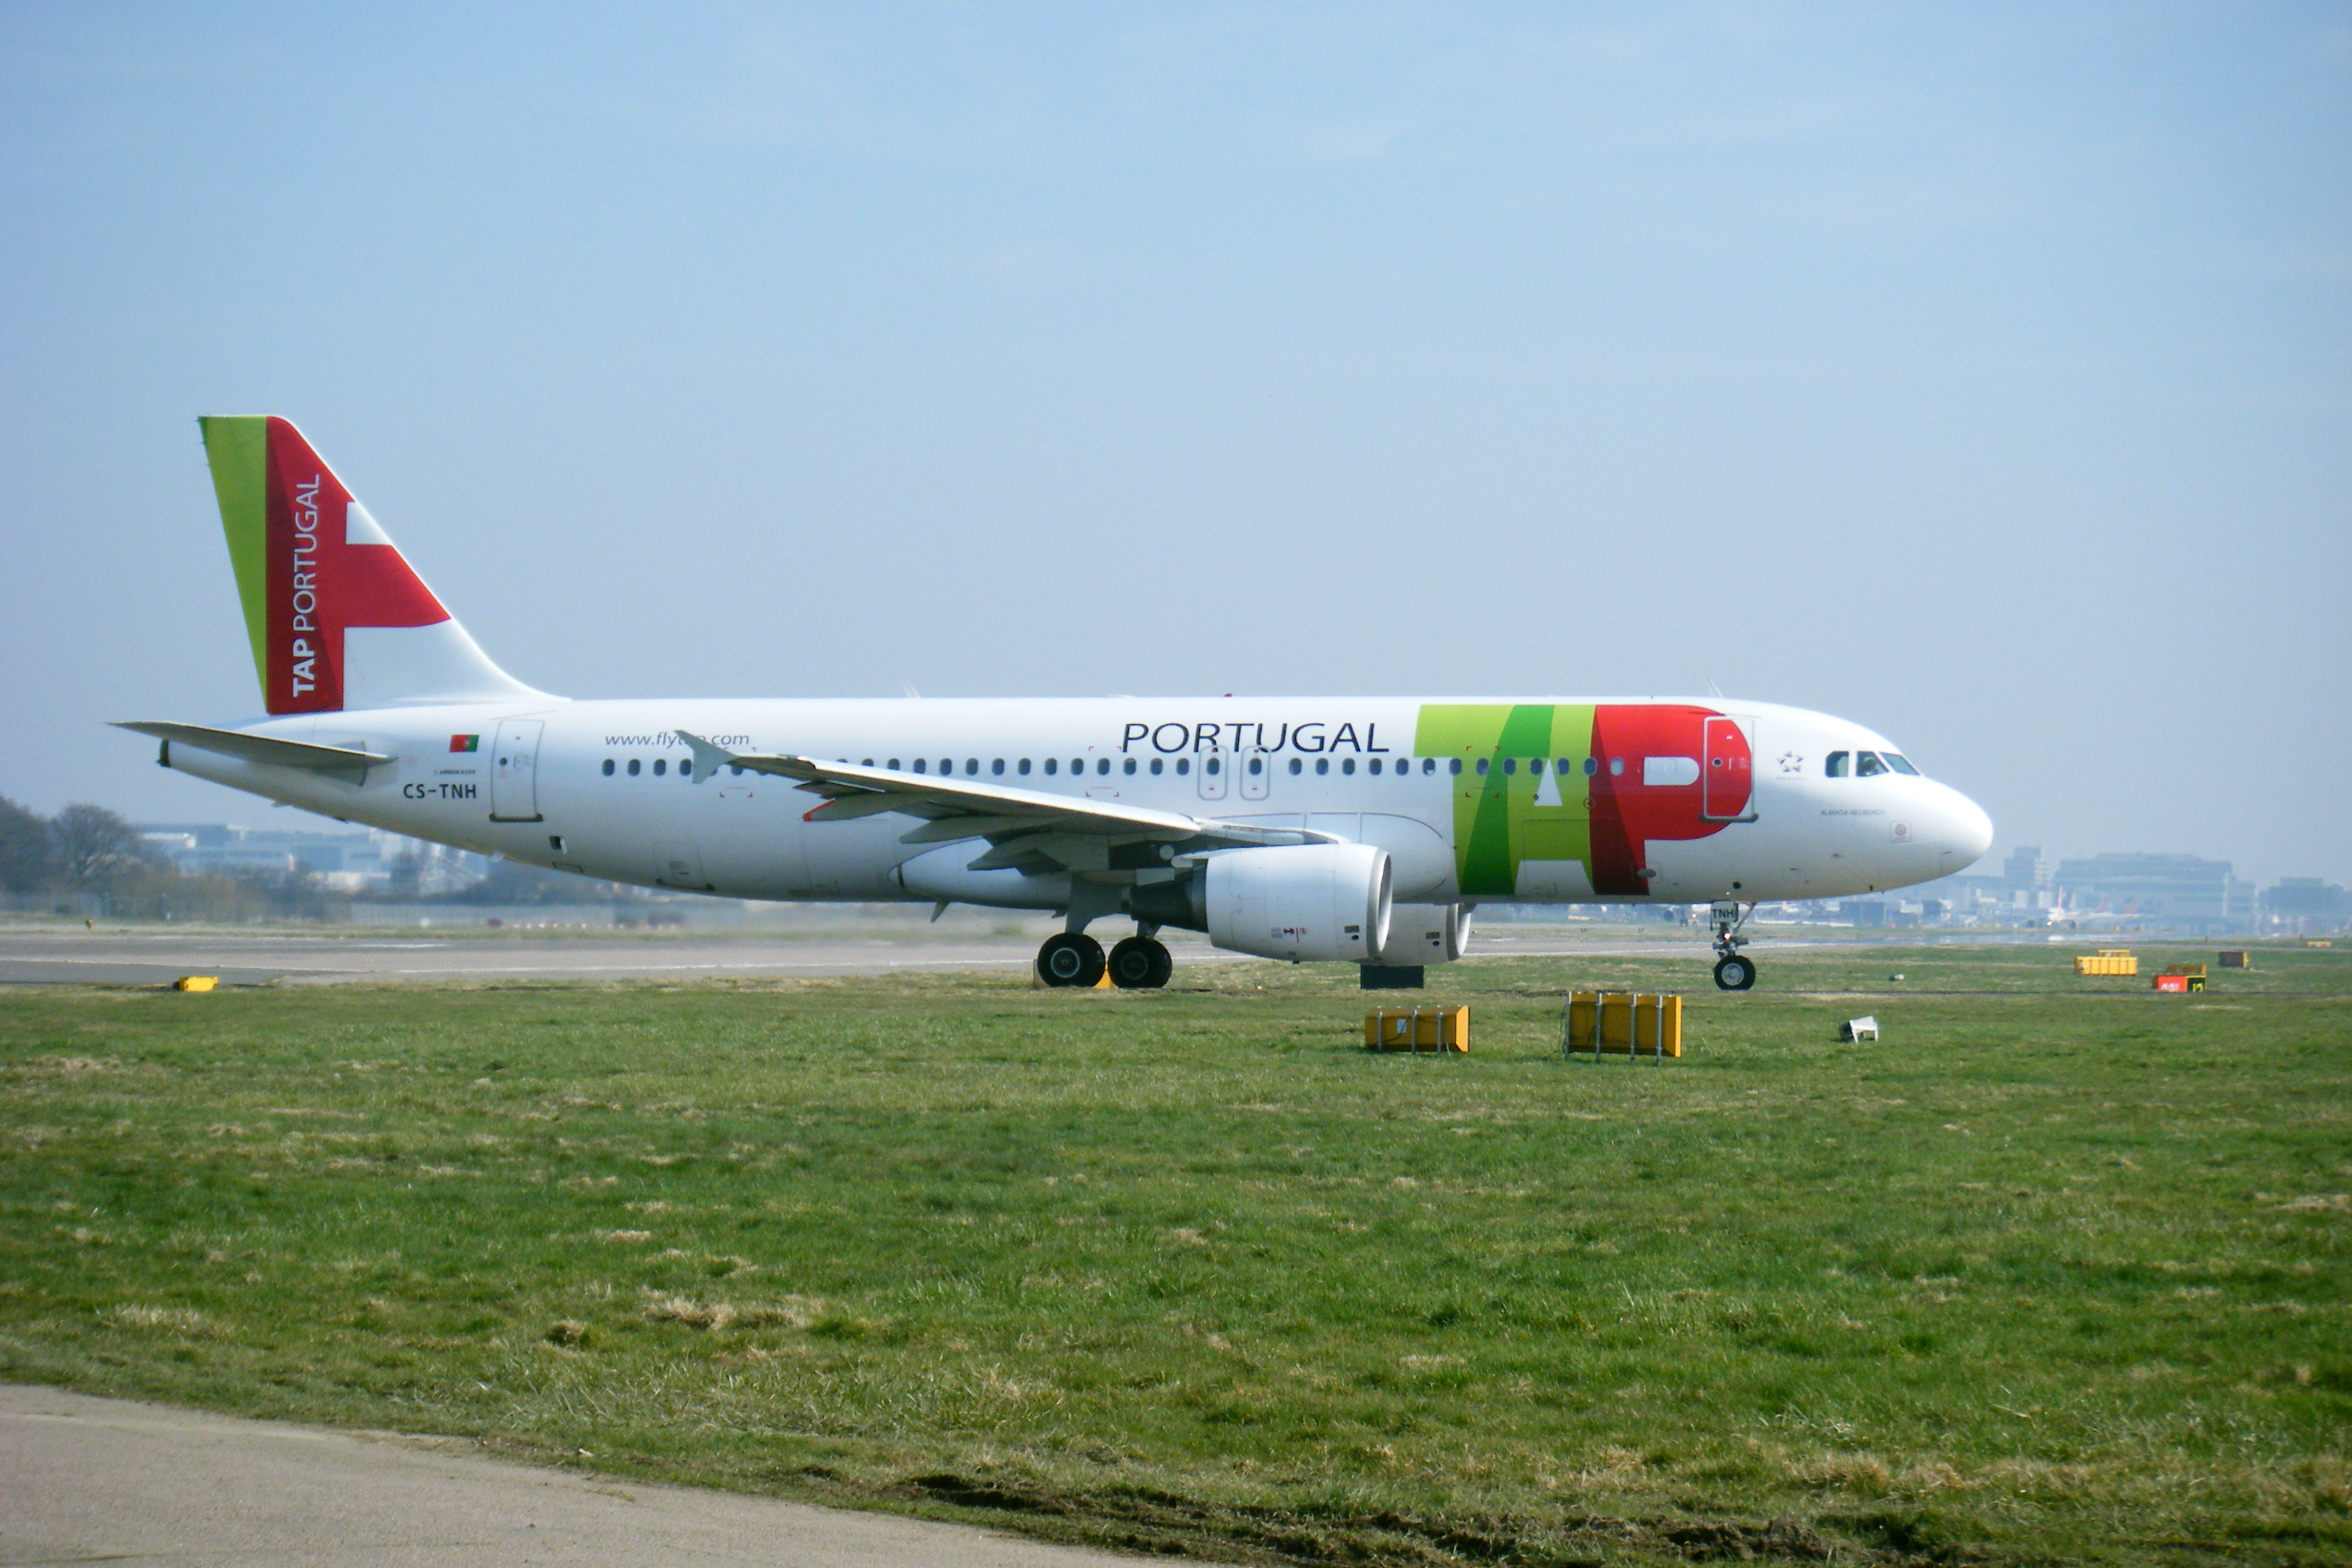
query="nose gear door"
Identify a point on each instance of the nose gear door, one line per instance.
(1726, 770)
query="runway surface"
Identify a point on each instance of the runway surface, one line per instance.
(154, 956)
(88, 1480)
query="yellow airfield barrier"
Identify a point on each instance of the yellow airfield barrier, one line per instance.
(1439, 1029)
(2107, 960)
(196, 983)
(1623, 1023)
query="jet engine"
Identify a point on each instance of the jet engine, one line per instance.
(1307, 902)
(1425, 933)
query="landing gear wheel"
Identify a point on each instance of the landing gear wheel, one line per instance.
(1735, 972)
(1070, 958)
(1140, 964)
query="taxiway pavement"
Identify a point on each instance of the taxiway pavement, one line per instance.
(85, 1480)
(150, 955)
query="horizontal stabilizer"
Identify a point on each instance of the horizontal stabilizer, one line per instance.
(338, 761)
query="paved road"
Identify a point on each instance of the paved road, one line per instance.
(149, 957)
(153, 956)
(85, 1480)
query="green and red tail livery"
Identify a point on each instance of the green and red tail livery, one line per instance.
(311, 563)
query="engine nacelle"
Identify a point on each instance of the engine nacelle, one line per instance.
(1311, 902)
(1425, 933)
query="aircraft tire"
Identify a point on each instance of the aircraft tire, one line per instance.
(1140, 964)
(1736, 972)
(1070, 959)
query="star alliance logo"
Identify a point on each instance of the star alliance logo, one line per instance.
(1793, 762)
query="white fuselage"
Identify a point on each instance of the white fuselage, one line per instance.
(597, 788)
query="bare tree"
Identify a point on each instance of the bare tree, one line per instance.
(25, 863)
(94, 845)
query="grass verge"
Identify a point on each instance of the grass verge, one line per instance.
(2057, 1271)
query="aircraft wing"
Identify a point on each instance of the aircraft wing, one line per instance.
(1023, 826)
(340, 761)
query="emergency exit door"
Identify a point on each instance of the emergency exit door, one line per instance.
(514, 771)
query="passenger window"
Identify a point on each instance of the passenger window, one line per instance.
(947, 765)
(1296, 767)
(1481, 767)
(1257, 766)
(633, 767)
(997, 767)
(1616, 767)
(1183, 764)
(1901, 764)
(608, 767)
(736, 772)
(1373, 766)
(1866, 766)
(1158, 763)
(1323, 766)
(1077, 764)
(867, 763)
(1025, 767)
(1452, 765)
(1346, 764)
(894, 765)
(661, 766)
(1429, 765)
(971, 767)
(1102, 765)
(1212, 766)
(922, 765)
(1510, 766)
(1128, 766)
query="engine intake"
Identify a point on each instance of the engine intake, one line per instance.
(1308, 903)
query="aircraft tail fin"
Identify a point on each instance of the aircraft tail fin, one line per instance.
(336, 616)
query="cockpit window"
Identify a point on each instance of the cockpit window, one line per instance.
(1867, 764)
(1901, 764)
(1833, 765)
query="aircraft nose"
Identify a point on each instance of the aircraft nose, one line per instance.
(1967, 831)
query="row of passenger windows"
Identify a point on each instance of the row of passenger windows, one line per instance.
(1867, 763)
(1254, 765)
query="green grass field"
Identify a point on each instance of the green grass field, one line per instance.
(2057, 1271)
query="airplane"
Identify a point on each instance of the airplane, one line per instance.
(1363, 829)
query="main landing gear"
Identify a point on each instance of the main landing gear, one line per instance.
(1140, 963)
(1075, 959)
(1734, 969)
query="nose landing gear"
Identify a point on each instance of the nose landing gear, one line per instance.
(1733, 971)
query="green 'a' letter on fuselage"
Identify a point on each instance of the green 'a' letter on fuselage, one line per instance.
(1504, 816)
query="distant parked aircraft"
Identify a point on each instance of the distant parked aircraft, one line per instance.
(1362, 830)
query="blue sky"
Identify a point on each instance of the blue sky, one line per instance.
(1981, 374)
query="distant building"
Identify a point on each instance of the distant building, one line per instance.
(353, 860)
(2173, 890)
(2305, 904)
